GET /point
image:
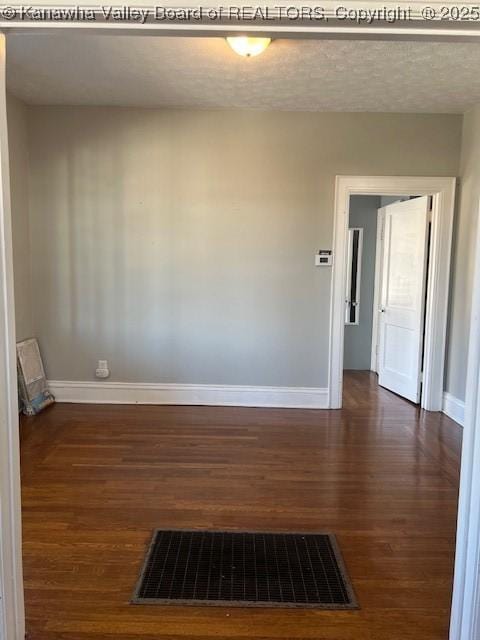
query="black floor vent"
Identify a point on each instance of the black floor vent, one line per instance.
(244, 569)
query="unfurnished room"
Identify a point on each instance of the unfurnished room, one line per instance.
(240, 361)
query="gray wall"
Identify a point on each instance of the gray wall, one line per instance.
(386, 200)
(358, 338)
(18, 151)
(468, 199)
(179, 245)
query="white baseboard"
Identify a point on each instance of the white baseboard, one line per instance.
(454, 408)
(189, 394)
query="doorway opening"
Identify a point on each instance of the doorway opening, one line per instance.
(386, 282)
(387, 315)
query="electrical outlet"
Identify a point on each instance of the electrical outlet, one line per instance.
(102, 370)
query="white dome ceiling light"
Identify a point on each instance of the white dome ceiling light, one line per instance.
(248, 47)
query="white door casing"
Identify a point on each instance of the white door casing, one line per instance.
(402, 304)
(12, 625)
(465, 620)
(445, 205)
(443, 190)
(416, 29)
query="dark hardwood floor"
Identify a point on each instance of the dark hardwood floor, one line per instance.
(380, 474)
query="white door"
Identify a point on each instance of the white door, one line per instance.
(403, 297)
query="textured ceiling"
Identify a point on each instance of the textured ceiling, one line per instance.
(307, 75)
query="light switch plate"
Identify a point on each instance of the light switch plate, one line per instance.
(323, 258)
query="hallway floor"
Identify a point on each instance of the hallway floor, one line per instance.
(380, 474)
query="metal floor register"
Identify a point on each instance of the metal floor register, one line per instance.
(244, 569)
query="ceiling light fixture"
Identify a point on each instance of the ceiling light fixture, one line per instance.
(248, 47)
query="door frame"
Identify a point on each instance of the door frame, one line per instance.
(12, 616)
(443, 200)
(465, 618)
(466, 606)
